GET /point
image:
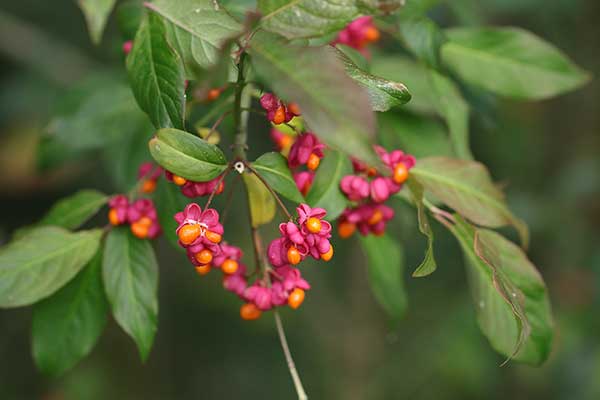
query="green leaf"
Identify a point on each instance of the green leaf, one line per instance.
(169, 200)
(415, 134)
(75, 210)
(187, 155)
(385, 264)
(383, 94)
(96, 14)
(332, 105)
(273, 168)
(428, 265)
(325, 190)
(129, 17)
(511, 299)
(432, 93)
(511, 62)
(260, 200)
(197, 29)
(67, 325)
(156, 75)
(312, 18)
(451, 105)
(41, 262)
(423, 37)
(130, 274)
(466, 186)
(97, 112)
(414, 75)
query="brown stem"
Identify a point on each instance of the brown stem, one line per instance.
(289, 360)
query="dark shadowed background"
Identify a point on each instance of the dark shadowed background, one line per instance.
(545, 153)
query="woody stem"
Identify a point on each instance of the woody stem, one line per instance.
(241, 135)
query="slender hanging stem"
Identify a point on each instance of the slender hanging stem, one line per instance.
(216, 124)
(212, 195)
(277, 198)
(288, 358)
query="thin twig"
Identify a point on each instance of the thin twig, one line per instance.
(229, 195)
(277, 198)
(212, 195)
(217, 123)
(288, 358)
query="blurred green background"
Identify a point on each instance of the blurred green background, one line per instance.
(546, 154)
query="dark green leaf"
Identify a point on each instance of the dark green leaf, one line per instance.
(197, 29)
(466, 186)
(130, 275)
(428, 265)
(511, 299)
(414, 134)
(332, 105)
(511, 62)
(101, 112)
(187, 155)
(423, 37)
(41, 262)
(451, 105)
(156, 75)
(273, 168)
(123, 158)
(169, 201)
(73, 211)
(431, 92)
(385, 264)
(312, 18)
(383, 94)
(325, 191)
(261, 201)
(129, 17)
(415, 76)
(96, 14)
(67, 325)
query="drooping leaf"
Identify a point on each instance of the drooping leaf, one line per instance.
(156, 75)
(428, 265)
(169, 200)
(451, 105)
(325, 190)
(432, 93)
(414, 75)
(197, 29)
(273, 168)
(422, 36)
(129, 17)
(67, 325)
(130, 274)
(96, 113)
(466, 186)
(511, 62)
(96, 14)
(312, 18)
(187, 155)
(41, 262)
(385, 264)
(511, 299)
(332, 105)
(123, 158)
(415, 134)
(260, 200)
(73, 211)
(383, 94)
